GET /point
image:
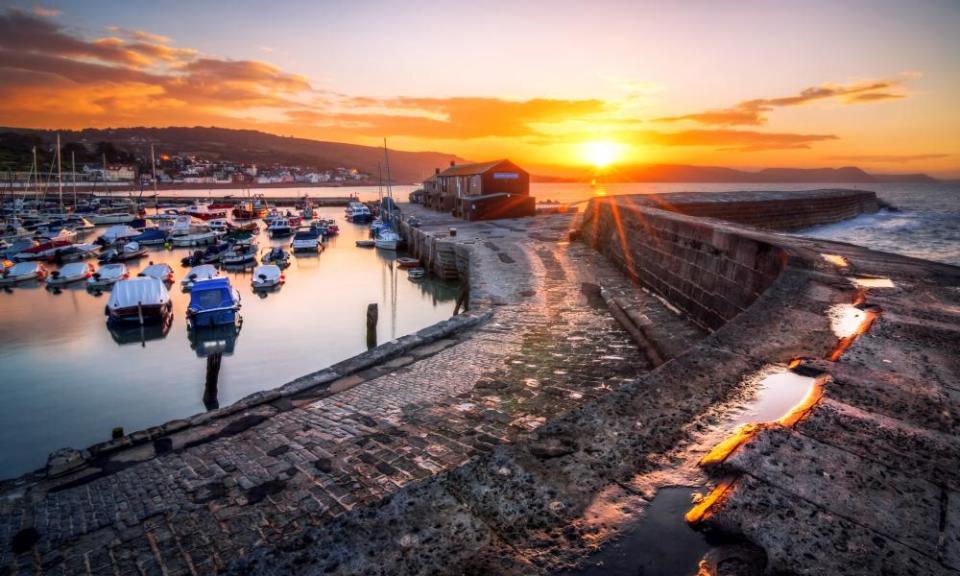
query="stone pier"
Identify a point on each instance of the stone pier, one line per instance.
(601, 358)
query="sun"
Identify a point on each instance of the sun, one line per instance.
(601, 153)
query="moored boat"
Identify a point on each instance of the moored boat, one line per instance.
(69, 273)
(204, 211)
(279, 227)
(127, 251)
(366, 243)
(118, 233)
(241, 254)
(141, 300)
(277, 256)
(162, 272)
(107, 275)
(407, 262)
(416, 273)
(22, 272)
(151, 237)
(306, 240)
(74, 253)
(42, 251)
(358, 212)
(267, 276)
(387, 239)
(198, 274)
(213, 302)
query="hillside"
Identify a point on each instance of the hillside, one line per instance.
(249, 146)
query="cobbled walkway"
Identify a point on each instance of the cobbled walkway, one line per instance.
(550, 346)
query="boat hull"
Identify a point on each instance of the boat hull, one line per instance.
(208, 319)
(154, 313)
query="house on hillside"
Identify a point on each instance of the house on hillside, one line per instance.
(482, 191)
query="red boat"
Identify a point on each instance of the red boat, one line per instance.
(224, 205)
(42, 250)
(204, 211)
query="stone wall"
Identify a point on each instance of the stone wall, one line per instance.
(769, 210)
(710, 272)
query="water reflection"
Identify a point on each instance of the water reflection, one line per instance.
(213, 343)
(130, 333)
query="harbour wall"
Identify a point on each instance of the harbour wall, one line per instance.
(709, 270)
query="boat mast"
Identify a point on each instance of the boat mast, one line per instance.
(73, 170)
(153, 167)
(386, 158)
(59, 175)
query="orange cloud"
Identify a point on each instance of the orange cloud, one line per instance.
(45, 12)
(753, 112)
(735, 140)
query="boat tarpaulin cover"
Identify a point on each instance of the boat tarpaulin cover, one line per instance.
(145, 291)
(213, 294)
(114, 233)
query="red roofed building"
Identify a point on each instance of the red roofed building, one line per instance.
(482, 191)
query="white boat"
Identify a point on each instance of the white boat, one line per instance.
(128, 251)
(117, 233)
(279, 227)
(358, 212)
(110, 216)
(73, 272)
(107, 275)
(190, 231)
(387, 239)
(139, 300)
(241, 254)
(23, 271)
(277, 256)
(198, 274)
(162, 272)
(306, 240)
(267, 276)
(220, 225)
(204, 211)
(51, 233)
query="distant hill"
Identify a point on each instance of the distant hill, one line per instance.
(248, 146)
(686, 173)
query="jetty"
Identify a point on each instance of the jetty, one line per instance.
(600, 361)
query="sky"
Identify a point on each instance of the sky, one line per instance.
(552, 84)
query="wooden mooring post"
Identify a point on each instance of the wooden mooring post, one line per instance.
(373, 314)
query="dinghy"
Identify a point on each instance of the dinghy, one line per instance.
(139, 300)
(277, 256)
(213, 302)
(22, 272)
(162, 272)
(198, 274)
(366, 243)
(74, 272)
(306, 240)
(267, 276)
(128, 251)
(387, 239)
(242, 254)
(107, 275)
(416, 273)
(406, 262)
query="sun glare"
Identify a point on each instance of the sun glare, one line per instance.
(601, 154)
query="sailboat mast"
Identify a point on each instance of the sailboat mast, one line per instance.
(59, 174)
(153, 168)
(386, 159)
(73, 170)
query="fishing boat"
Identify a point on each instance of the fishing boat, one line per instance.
(242, 254)
(162, 272)
(127, 251)
(139, 300)
(190, 231)
(198, 274)
(204, 211)
(277, 256)
(107, 275)
(151, 237)
(42, 251)
(306, 240)
(279, 227)
(366, 243)
(267, 276)
(331, 228)
(407, 262)
(213, 302)
(416, 273)
(387, 239)
(251, 209)
(209, 255)
(69, 273)
(118, 233)
(358, 212)
(22, 272)
(306, 211)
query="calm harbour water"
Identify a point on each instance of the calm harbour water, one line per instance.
(67, 380)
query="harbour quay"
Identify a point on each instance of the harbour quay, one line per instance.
(597, 361)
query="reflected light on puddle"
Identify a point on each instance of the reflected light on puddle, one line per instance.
(836, 260)
(846, 320)
(873, 282)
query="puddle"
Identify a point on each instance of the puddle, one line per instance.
(846, 319)
(778, 392)
(836, 260)
(659, 543)
(873, 282)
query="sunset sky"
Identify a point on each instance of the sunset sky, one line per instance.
(745, 84)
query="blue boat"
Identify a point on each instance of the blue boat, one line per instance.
(151, 237)
(213, 302)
